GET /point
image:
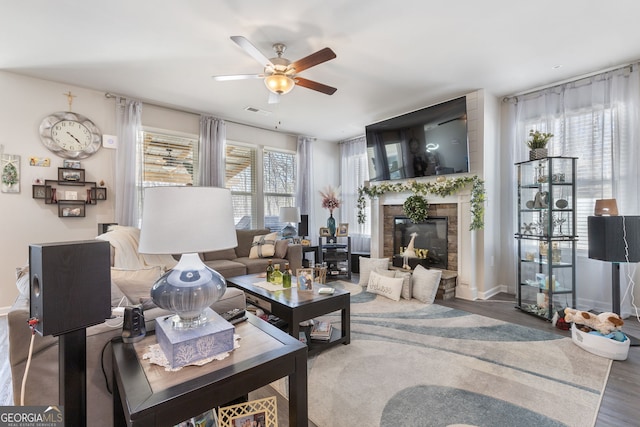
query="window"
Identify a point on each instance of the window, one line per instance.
(279, 171)
(240, 178)
(168, 159)
(589, 139)
(261, 180)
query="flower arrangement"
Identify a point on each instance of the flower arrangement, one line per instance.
(330, 198)
(416, 207)
(538, 139)
(444, 188)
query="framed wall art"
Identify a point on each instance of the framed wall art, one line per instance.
(10, 169)
(261, 412)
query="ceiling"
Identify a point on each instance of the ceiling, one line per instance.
(391, 57)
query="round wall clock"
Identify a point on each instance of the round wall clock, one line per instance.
(70, 135)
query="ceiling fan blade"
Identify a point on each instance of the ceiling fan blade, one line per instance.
(274, 98)
(251, 50)
(238, 77)
(314, 59)
(310, 84)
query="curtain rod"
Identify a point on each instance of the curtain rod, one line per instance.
(570, 80)
(197, 113)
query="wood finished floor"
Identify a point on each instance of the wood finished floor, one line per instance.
(620, 405)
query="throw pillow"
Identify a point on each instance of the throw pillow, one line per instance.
(263, 246)
(281, 248)
(136, 284)
(388, 287)
(425, 284)
(384, 272)
(367, 265)
(406, 284)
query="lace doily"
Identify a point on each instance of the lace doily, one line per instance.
(156, 356)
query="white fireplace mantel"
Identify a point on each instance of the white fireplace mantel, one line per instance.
(470, 253)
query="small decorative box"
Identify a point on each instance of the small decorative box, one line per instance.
(184, 346)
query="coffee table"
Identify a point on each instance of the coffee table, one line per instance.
(147, 395)
(293, 307)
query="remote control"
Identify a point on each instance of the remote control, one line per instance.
(232, 315)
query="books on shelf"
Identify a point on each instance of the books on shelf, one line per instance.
(321, 331)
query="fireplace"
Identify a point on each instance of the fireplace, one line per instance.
(430, 243)
(448, 211)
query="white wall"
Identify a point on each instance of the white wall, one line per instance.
(24, 220)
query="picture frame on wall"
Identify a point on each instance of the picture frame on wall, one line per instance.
(71, 176)
(343, 230)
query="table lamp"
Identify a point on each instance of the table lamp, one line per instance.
(289, 215)
(187, 221)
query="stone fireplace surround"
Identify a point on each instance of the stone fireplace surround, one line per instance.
(448, 210)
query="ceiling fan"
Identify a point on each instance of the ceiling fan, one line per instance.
(281, 75)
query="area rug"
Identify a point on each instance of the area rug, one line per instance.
(415, 364)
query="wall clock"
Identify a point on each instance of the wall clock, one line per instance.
(70, 135)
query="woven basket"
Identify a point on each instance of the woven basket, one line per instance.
(538, 153)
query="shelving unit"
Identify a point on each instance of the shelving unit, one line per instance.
(70, 192)
(335, 252)
(546, 235)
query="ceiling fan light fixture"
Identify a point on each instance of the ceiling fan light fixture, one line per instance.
(279, 83)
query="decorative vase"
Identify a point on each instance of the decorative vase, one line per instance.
(331, 224)
(538, 153)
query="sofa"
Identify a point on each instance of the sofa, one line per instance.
(132, 276)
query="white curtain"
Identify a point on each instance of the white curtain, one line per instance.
(304, 183)
(353, 174)
(212, 156)
(127, 194)
(595, 119)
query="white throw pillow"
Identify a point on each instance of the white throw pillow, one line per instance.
(425, 284)
(263, 246)
(406, 284)
(367, 265)
(388, 287)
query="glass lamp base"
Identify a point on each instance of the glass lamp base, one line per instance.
(187, 290)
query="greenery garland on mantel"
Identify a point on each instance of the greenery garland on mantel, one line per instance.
(443, 188)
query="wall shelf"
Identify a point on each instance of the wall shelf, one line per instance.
(71, 194)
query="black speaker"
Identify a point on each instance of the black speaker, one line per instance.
(303, 226)
(70, 285)
(607, 235)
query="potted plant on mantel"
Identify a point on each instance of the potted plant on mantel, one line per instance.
(537, 144)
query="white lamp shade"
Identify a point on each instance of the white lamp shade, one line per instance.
(178, 220)
(290, 215)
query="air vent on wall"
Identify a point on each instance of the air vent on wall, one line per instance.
(258, 111)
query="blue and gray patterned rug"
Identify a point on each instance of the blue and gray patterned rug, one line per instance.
(413, 364)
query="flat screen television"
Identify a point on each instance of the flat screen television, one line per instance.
(425, 142)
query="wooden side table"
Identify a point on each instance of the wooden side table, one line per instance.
(147, 395)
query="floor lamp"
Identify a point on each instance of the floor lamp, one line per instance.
(615, 239)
